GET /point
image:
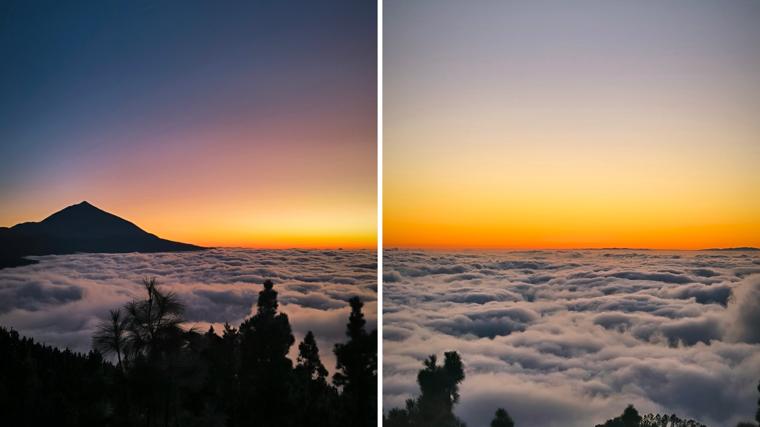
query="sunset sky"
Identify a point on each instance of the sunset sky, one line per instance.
(249, 123)
(553, 124)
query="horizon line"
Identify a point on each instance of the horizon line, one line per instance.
(315, 248)
(604, 248)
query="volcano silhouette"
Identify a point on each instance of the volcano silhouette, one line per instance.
(79, 228)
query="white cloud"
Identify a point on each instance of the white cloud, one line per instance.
(60, 300)
(569, 338)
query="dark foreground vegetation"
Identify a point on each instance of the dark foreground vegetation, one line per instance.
(439, 392)
(164, 375)
(631, 418)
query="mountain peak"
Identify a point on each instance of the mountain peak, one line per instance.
(80, 228)
(87, 219)
(82, 205)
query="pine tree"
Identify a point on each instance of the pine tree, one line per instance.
(308, 359)
(439, 386)
(439, 391)
(502, 419)
(757, 414)
(265, 370)
(317, 399)
(630, 417)
(111, 335)
(357, 369)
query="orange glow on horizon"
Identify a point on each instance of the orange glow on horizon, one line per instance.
(524, 187)
(287, 191)
(517, 125)
(354, 229)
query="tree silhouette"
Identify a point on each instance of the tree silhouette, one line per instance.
(439, 391)
(267, 335)
(219, 358)
(154, 323)
(265, 369)
(111, 335)
(439, 386)
(357, 369)
(630, 417)
(502, 419)
(42, 385)
(757, 414)
(308, 359)
(154, 340)
(167, 375)
(317, 398)
(398, 417)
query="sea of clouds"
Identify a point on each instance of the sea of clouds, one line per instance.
(60, 300)
(569, 338)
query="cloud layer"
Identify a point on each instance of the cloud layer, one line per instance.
(60, 300)
(569, 338)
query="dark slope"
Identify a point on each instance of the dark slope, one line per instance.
(738, 249)
(79, 228)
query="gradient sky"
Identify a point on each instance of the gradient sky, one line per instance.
(243, 123)
(555, 124)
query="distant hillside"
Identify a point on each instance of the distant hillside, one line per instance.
(79, 228)
(739, 249)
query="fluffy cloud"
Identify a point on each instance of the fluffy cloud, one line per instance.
(569, 338)
(60, 300)
(743, 322)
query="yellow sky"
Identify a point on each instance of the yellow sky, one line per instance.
(231, 187)
(339, 221)
(659, 185)
(517, 134)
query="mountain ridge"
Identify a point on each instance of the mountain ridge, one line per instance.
(79, 228)
(735, 249)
